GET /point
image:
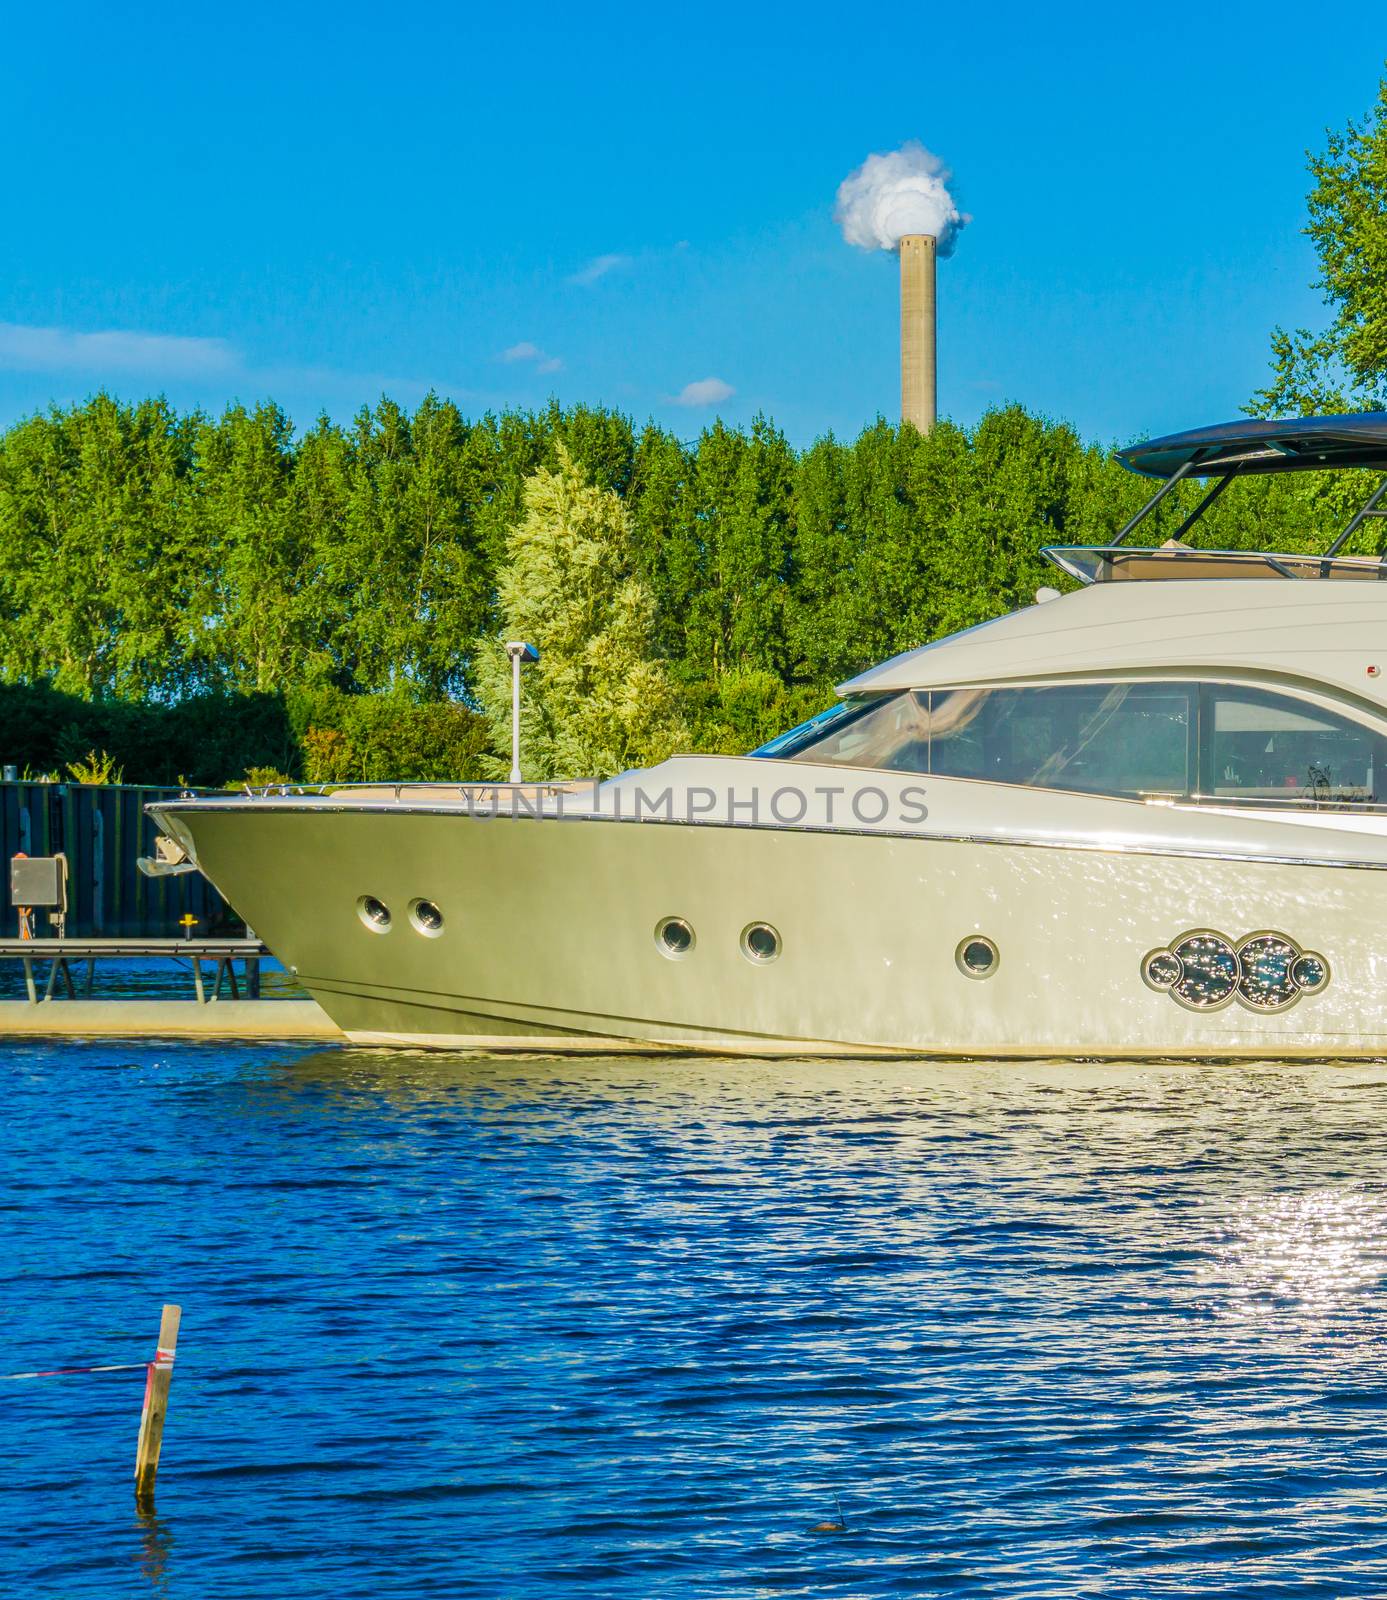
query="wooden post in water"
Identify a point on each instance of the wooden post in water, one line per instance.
(156, 1405)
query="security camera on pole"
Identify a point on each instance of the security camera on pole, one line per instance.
(519, 653)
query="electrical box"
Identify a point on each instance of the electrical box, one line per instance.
(39, 882)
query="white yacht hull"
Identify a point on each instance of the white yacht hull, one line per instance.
(549, 938)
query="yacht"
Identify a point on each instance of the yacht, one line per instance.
(1141, 817)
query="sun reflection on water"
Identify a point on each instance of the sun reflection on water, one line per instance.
(1320, 1250)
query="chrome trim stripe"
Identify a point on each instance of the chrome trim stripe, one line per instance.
(1244, 857)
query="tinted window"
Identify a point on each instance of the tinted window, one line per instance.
(1110, 738)
(1099, 738)
(1261, 746)
(890, 732)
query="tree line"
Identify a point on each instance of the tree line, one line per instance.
(179, 571)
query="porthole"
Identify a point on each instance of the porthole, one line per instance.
(375, 914)
(674, 937)
(977, 957)
(1162, 970)
(1311, 972)
(1264, 972)
(1208, 971)
(760, 943)
(426, 917)
(1266, 979)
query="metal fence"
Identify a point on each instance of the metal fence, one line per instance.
(102, 829)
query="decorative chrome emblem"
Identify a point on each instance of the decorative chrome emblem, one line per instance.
(1203, 971)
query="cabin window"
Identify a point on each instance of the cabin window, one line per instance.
(1097, 738)
(1102, 738)
(1215, 741)
(1270, 747)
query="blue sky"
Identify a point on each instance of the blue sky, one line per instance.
(323, 206)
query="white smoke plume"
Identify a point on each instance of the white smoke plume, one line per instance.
(905, 191)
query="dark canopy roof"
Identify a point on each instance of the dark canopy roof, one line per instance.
(1294, 444)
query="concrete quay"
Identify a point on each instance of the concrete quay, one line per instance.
(166, 1019)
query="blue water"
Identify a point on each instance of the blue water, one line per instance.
(162, 978)
(527, 1328)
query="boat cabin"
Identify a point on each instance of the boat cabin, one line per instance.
(1226, 688)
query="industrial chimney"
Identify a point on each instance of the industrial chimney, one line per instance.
(901, 202)
(917, 252)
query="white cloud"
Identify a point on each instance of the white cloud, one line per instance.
(217, 372)
(599, 267)
(704, 392)
(31, 349)
(526, 351)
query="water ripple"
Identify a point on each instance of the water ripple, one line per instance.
(636, 1328)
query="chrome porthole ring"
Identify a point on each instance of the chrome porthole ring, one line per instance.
(374, 914)
(977, 956)
(760, 943)
(1162, 970)
(1266, 963)
(674, 938)
(1310, 971)
(426, 918)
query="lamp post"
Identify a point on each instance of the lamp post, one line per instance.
(519, 653)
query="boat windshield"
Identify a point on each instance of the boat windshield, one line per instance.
(823, 722)
(1110, 564)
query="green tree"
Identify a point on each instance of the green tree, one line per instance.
(823, 623)
(735, 712)
(598, 702)
(666, 555)
(904, 499)
(404, 573)
(247, 629)
(97, 549)
(1344, 366)
(743, 510)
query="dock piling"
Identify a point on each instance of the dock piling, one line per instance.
(156, 1405)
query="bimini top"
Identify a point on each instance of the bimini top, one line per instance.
(1235, 450)
(1289, 444)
